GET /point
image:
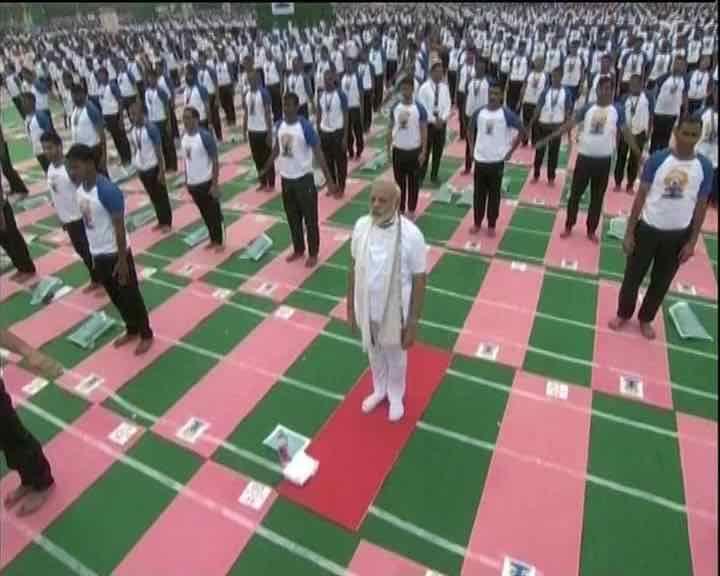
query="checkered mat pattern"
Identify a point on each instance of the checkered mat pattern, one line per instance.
(550, 440)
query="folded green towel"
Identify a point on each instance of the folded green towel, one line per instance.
(197, 236)
(466, 197)
(377, 163)
(140, 218)
(617, 228)
(45, 290)
(686, 323)
(257, 248)
(446, 194)
(87, 334)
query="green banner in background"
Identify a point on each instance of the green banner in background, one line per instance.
(277, 14)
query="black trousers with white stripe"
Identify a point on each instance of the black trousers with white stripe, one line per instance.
(210, 211)
(168, 145)
(405, 168)
(116, 128)
(337, 161)
(487, 191)
(300, 201)
(661, 250)
(78, 238)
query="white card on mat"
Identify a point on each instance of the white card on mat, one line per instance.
(284, 312)
(568, 264)
(192, 430)
(266, 288)
(123, 433)
(255, 495)
(513, 567)
(222, 294)
(631, 386)
(34, 386)
(89, 384)
(488, 351)
(518, 266)
(556, 390)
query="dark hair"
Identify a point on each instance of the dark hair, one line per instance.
(51, 138)
(688, 119)
(29, 96)
(193, 112)
(81, 153)
(77, 89)
(407, 81)
(603, 80)
(291, 96)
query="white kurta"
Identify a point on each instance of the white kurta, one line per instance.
(387, 363)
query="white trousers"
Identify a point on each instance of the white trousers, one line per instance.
(389, 369)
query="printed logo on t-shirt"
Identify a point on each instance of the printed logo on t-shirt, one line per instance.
(188, 154)
(490, 127)
(675, 183)
(403, 119)
(598, 122)
(86, 212)
(286, 142)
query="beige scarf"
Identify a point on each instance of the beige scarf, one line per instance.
(389, 332)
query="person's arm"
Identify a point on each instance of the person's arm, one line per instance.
(331, 184)
(564, 129)
(157, 146)
(35, 360)
(271, 161)
(700, 209)
(417, 299)
(423, 134)
(350, 308)
(513, 121)
(637, 208)
(122, 267)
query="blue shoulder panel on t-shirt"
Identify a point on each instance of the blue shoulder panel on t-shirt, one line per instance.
(620, 109)
(153, 133)
(708, 177)
(43, 120)
(311, 137)
(203, 93)
(343, 100)
(265, 94)
(652, 165)
(94, 114)
(580, 114)
(209, 143)
(511, 119)
(422, 112)
(110, 196)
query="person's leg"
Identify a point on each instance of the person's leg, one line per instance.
(598, 186)
(480, 194)
(413, 180)
(168, 147)
(294, 216)
(620, 162)
(17, 186)
(662, 130)
(527, 113)
(495, 176)
(378, 93)
(580, 181)
(400, 174)
(215, 116)
(452, 85)
(463, 120)
(24, 454)
(13, 242)
(437, 151)
(542, 131)
(353, 117)
(553, 157)
(341, 160)
(328, 144)
(665, 266)
(135, 304)
(158, 196)
(636, 267)
(255, 140)
(431, 135)
(209, 210)
(380, 372)
(396, 361)
(367, 111)
(105, 270)
(468, 153)
(634, 161)
(78, 238)
(307, 197)
(358, 130)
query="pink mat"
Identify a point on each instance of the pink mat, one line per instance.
(536, 488)
(37, 187)
(242, 379)
(237, 236)
(36, 214)
(700, 475)
(535, 192)
(55, 319)
(371, 560)
(228, 172)
(252, 199)
(524, 155)
(236, 155)
(629, 353)
(456, 149)
(575, 249)
(171, 546)
(482, 243)
(285, 277)
(698, 272)
(711, 221)
(503, 313)
(617, 203)
(433, 256)
(65, 452)
(460, 180)
(170, 322)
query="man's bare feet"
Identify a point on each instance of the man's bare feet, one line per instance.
(593, 237)
(22, 277)
(144, 345)
(491, 232)
(124, 340)
(311, 262)
(647, 330)
(210, 245)
(219, 248)
(91, 287)
(12, 499)
(474, 230)
(294, 256)
(566, 233)
(617, 323)
(165, 229)
(34, 501)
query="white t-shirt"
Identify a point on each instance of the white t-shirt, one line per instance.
(675, 188)
(155, 105)
(63, 194)
(83, 124)
(413, 261)
(143, 140)
(296, 142)
(36, 125)
(406, 120)
(256, 103)
(554, 104)
(494, 134)
(600, 127)
(200, 151)
(97, 206)
(477, 95)
(638, 110)
(332, 106)
(427, 97)
(698, 88)
(669, 99)
(535, 84)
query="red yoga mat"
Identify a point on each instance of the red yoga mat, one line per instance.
(357, 451)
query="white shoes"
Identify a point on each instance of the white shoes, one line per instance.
(372, 402)
(397, 410)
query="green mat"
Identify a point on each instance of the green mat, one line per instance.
(257, 248)
(140, 218)
(32, 202)
(686, 323)
(200, 234)
(5, 262)
(88, 333)
(45, 290)
(466, 197)
(446, 194)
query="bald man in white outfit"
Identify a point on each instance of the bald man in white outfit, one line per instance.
(386, 289)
